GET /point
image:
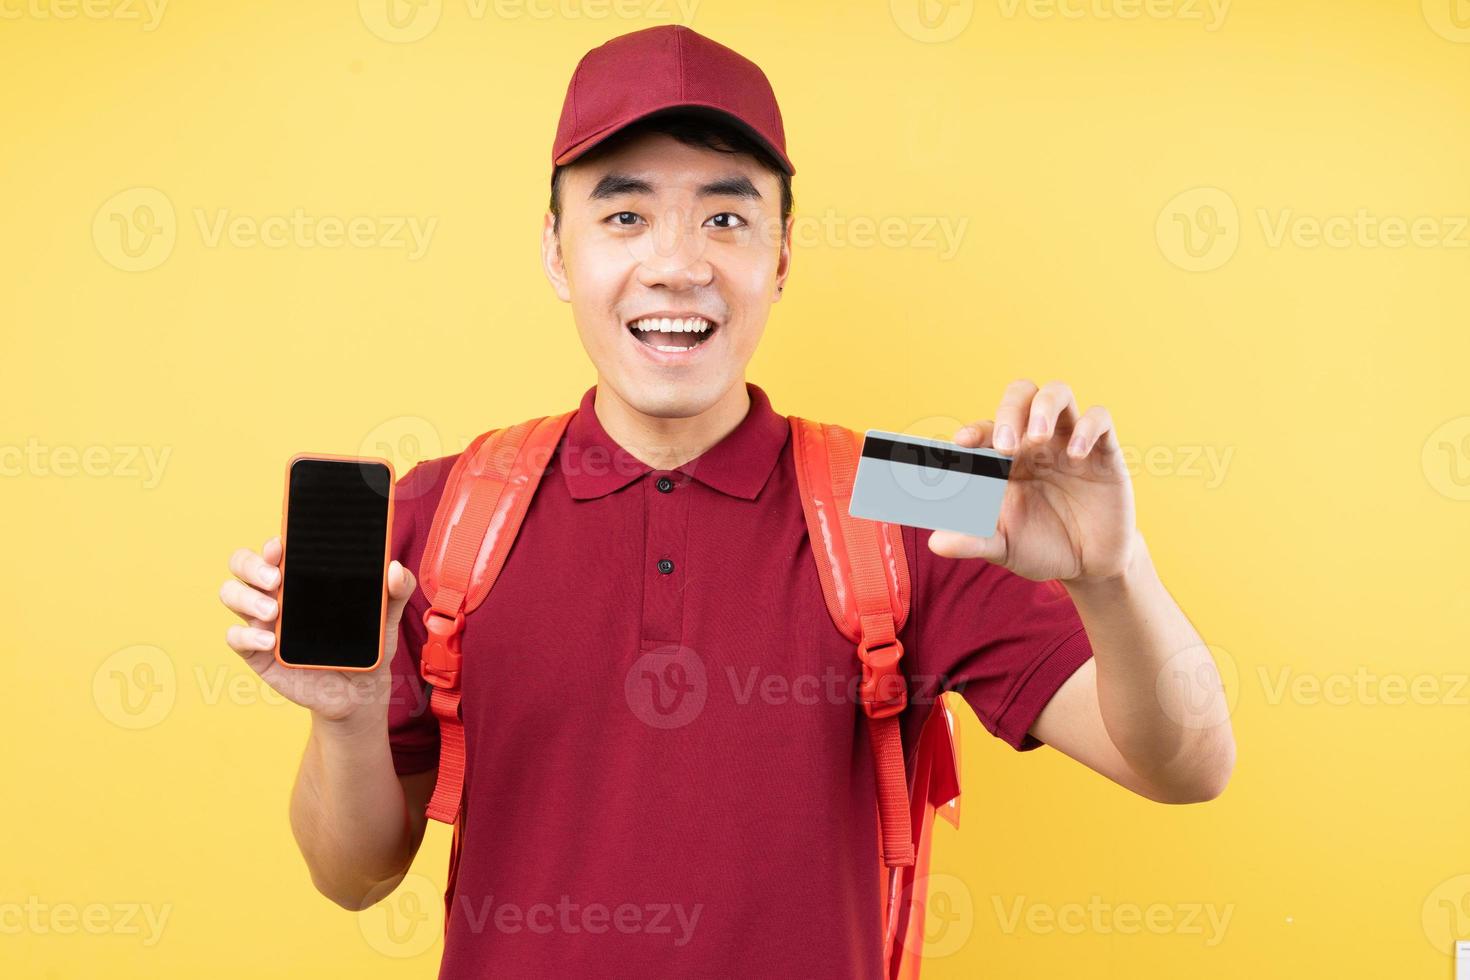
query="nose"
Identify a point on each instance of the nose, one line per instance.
(671, 254)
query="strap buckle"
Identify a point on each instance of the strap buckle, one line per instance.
(883, 690)
(440, 659)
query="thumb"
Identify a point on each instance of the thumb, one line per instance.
(953, 544)
(401, 584)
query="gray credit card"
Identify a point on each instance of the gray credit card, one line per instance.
(904, 479)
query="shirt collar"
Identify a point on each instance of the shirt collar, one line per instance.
(593, 465)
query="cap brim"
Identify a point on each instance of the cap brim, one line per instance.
(578, 149)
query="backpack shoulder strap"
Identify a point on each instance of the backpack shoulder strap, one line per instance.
(486, 496)
(864, 576)
(866, 584)
(935, 791)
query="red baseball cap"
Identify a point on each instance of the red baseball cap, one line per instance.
(637, 75)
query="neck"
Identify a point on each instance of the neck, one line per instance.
(664, 443)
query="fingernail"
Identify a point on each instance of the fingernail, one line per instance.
(1038, 425)
(265, 639)
(1075, 447)
(268, 576)
(266, 607)
(1005, 439)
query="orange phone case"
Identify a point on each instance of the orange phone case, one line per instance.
(387, 558)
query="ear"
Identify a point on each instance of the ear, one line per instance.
(551, 260)
(783, 263)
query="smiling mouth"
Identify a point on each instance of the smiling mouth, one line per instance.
(673, 335)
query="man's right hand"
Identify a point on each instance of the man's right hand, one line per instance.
(347, 697)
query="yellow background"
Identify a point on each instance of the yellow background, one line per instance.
(1328, 549)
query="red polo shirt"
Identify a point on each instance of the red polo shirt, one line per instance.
(667, 774)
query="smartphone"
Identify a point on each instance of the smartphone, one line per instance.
(336, 533)
(904, 479)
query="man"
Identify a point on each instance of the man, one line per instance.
(604, 832)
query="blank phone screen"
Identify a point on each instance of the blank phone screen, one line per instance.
(332, 594)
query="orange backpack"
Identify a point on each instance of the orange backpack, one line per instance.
(865, 582)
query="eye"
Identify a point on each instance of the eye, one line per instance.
(618, 219)
(731, 216)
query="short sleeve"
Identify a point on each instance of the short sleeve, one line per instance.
(413, 732)
(1003, 642)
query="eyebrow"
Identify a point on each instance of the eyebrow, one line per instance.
(614, 185)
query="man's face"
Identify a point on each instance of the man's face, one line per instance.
(658, 234)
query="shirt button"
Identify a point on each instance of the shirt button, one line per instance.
(665, 485)
(665, 566)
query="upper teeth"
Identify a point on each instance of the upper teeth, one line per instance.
(666, 325)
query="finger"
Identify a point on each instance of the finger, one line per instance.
(1010, 417)
(976, 435)
(251, 569)
(246, 640)
(252, 606)
(953, 544)
(1095, 425)
(1053, 406)
(401, 582)
(273, 552)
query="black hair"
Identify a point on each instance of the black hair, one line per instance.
(692, 128)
